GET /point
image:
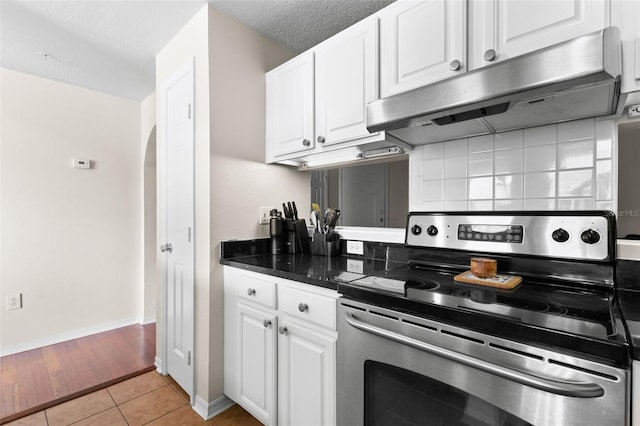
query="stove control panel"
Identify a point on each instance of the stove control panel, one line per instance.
(572, 236)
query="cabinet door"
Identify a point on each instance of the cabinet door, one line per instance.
(625, 15)
(502, 29)
(346, 80)
(421, 42)
(306, 376)
(290, 108)
(257, 388)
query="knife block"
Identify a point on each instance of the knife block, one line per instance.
(297, 237)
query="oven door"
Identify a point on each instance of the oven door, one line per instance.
(397, 369)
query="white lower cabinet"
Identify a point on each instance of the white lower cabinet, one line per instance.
(280, 348)
(306, 376)
(257, 346)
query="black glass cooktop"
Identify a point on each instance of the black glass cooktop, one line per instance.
(573, 318)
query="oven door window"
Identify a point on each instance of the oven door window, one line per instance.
(394, 396)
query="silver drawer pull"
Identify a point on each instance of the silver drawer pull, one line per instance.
(283, 330)
(251, 291)
(455, 65)
(303, 307)
(489, 55)
(266, 323)
(575, 389)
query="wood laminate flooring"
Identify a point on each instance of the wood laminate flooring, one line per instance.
(34, 380)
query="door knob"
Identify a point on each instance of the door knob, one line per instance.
(166, 247)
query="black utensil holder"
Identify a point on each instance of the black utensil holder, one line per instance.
(321, 247)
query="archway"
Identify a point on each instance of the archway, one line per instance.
(151, 276)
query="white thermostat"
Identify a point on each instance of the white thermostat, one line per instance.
(79, 163)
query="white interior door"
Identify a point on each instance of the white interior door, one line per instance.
(363, 200)
(178, 261)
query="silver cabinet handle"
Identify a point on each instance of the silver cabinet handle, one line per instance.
(489, 55)
(321, 139)
(575, 389)
(306, 142)
(455, 65)
(303, 307)
(266, 323)
(251, 291)
(283, 330)
(166, 248)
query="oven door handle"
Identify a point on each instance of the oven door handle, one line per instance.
(574, 389)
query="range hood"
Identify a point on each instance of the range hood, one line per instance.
(575, 79)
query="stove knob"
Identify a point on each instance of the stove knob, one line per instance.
(432, 231)
(416, 230)
(560, 235)
(590, 236)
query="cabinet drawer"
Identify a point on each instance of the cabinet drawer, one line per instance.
(257, 290)
(314, 308)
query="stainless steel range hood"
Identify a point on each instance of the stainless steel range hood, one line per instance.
(576, 79)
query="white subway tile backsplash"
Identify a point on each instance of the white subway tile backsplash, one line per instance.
(604, 180)
(575, 155)
(509, 161)
(575, 130)
(540, 185)
(455, 167)
(432, 190)
(508, 204)
(433, 150)
(480, 144)
(509, 140)
(567, 166)
(540, 204)
(540, 135)
(603, 149)
(508, 186)
(455, 189)
(575, 183)
(576, 204)
(433, 169)
(476, 206)
(457, 147)
(452, 206)
(481, 188)
(481, 164)
(540, 158)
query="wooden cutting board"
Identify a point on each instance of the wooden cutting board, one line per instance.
(506, 282)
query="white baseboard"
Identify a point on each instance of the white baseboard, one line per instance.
(158, 363)
(66, 336)
(148, 320)
(209, 410)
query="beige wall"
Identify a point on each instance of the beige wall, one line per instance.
(70, 237)
(240, 181)
(151, 276)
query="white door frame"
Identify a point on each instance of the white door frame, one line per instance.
(168, 82)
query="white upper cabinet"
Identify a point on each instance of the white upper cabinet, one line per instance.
(346, 80)
(625, 14)
(290, 108)
(421, 42)
(502, 29)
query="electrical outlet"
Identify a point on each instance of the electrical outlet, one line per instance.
(355, 266)
(265, 215)
(633, 111)
(355, 247)
(14, 301)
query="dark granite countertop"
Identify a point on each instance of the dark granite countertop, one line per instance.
(628, 282)
(322, 271)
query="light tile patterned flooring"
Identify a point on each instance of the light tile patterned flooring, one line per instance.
(148, 399)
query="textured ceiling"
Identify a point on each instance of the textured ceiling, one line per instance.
(110, 46)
